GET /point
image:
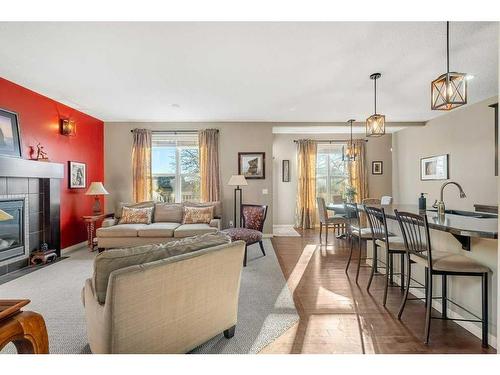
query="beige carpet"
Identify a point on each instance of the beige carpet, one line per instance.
(266, 308)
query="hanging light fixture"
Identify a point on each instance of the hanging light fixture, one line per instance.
(349, 153)
(449, 90)
(375, 124)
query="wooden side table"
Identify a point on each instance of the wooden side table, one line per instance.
(25, 329)
(90, 222)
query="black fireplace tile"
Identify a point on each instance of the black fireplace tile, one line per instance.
(3, 185)
(36, 203)
(17, 185)
(3, 270)
(34, 185)
(17, 265)
(35, 239)
(36, 222)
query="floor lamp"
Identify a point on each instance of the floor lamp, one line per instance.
(237, 180)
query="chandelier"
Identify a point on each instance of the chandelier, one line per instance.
(349, 153)
(375, 124)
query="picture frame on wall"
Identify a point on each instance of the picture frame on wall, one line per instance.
(77, 175)
(285, 171)
(434, 168)
(377, 167)
(252, 165)
(10, 138)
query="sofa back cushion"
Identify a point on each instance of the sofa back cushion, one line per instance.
(216, 205)
(114, 259)
(168, 213)
(119, 208)
(136, 215)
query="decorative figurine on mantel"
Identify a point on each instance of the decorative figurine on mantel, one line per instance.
(40, 154)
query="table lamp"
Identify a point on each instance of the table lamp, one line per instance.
(237, 180)
(96, 189)
(4, 216)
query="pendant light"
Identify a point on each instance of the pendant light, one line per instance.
(449, 90)
(375, 124)
(349, 154)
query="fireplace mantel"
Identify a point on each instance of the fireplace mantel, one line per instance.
(17, 167)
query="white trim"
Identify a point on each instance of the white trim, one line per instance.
(76, 246)
(267, 235)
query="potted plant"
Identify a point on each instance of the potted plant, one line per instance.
(350, 193)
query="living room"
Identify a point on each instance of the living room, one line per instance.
(249, 187)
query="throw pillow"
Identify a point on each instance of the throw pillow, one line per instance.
(198, 215)
(136, 215)
(115, 259)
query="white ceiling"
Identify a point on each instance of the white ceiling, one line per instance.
(279, 72)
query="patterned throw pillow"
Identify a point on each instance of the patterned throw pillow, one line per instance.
(198, 215)
(136, 215)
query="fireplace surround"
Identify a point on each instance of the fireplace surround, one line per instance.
(38, 185)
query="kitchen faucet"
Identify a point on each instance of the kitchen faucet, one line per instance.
(440, 204)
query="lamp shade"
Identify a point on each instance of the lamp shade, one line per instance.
(96, 188)
(4, 216)
(237, 180)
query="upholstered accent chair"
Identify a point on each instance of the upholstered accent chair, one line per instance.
(253, 217)
(336, 221)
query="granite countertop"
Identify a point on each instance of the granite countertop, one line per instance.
(455, 224)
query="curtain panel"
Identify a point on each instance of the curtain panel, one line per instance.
(305, 213)
(208, 140)
(141, 165)
(358, 177)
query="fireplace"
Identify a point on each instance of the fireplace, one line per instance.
(13, 238)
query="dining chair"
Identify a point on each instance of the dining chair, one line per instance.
(336, 199)
(416, 236)
(382, 238)
(337, 221)
(374, 201)
(386, 200)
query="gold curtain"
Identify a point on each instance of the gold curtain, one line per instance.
(141, 165)
(357, 173)
(305, 215)
(208, 140)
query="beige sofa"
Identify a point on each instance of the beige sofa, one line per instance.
(170, 305)
(166, 226)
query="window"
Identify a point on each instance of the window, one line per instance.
(331, 171)
(176, 167)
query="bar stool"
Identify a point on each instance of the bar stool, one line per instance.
(393, 245)
(416, 236)
(354, 230)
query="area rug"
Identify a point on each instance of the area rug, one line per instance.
(285, 231)
(266, 308)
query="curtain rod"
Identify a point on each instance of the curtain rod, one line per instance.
(334, 140)
(174, 131)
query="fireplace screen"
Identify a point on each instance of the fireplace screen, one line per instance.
(12, 230)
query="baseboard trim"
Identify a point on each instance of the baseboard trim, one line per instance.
(74, 247)
(267, 235)
(437, 305)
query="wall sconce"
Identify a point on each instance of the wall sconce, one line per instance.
(68, 127)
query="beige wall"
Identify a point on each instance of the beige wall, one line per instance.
(467, 135)
(285, 192)
(234, 138)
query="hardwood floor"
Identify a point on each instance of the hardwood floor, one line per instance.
(338, 316)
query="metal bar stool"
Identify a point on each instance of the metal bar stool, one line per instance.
(416, 236)
(354, 230)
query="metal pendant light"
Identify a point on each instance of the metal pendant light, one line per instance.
(449, 90)
(349, 154)
(375, 124)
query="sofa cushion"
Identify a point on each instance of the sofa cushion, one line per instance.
(136, 215)
(119, 208)
(115, 259)
(198, 215)
(120, 230)
(158, 230)
(168, 212)
(188, 230)
(216, 204)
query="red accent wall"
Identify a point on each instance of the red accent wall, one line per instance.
(39, 122)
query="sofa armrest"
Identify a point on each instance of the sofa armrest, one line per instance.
(109, 222)
(215, 223)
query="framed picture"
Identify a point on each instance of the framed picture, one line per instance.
(10, 140)
(285, 171)
(434, 168)
(252, 165)
(77, 175)
(377, 167)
